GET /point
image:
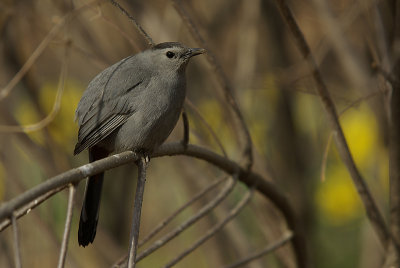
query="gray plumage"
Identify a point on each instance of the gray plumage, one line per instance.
(132, 105)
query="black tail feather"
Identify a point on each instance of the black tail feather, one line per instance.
(91, 204)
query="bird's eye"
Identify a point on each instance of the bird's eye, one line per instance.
(170, 54)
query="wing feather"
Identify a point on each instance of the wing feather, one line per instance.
(100, 132)
(109, 100)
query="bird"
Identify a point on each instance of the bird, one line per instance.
(132, 105)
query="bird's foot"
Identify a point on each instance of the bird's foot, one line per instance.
(143, 154)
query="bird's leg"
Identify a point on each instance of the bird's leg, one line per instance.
(143, 154)
(185, 119)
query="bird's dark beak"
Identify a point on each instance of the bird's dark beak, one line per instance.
(195, 51)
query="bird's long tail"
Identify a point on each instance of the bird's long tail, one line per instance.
(91, 203)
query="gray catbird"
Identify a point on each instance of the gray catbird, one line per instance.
(132, 105)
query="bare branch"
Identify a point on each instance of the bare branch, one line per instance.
(223, 79)
(209, 128)
(232, 214)
(325, 156)
(31, 205)
(371, 208)
(249, 178)
(179, 210)
(354, 68)
(32, 59)
(137, 211)
(394, 138)
(4, 92)
(200, 214)
(67, 229)
(121, 31)
(385, 74)
(137, 25)
(186, 129)
(71, 176)
(179, 229)
(56, 106)
(329, 142)
(17, 252)
(274, 246)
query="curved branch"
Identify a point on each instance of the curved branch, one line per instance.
(269, 190)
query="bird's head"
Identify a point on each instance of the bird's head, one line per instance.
(172, 56)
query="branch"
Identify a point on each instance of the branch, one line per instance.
(223, 79)
(371, 208)
(394, 137)
(207, 125)
(138, 26)
(67, 229)
(228, 187)
(137, 211)
(186, 129)
(71, 176)
(166, 221)
(56, 105)
(17, 249)
(211, 232)
(4, 92)
(286, 238)
(24, 210)
(269, 190)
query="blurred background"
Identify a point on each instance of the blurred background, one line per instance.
(61, 45)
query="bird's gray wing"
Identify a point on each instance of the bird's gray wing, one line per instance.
(108, 102)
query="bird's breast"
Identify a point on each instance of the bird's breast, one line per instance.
(156, 113)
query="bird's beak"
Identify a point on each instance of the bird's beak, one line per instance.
(196, 51)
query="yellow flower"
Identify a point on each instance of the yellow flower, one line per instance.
(337, 199)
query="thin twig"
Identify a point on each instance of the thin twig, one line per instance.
(166, 221)
(211, 232)
(137, 211)
(353, 67)
(56, 105)
(325, 156)
(189, 222)
(394, 137)
(371, 208)
(31, 205)
(223, 79)
(386, 75)
(186, 129)
(329, 142)
(4, 92)
(126, 35)
(209, 128)
(67, 228)
(17, 251)
(137, 25)
(270, 248)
